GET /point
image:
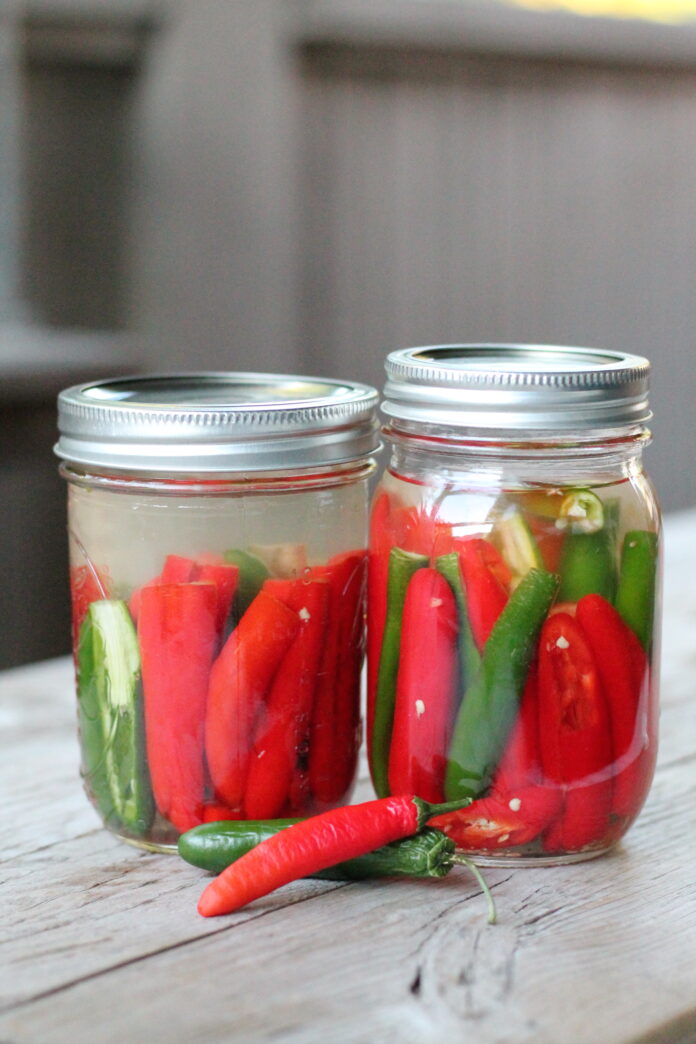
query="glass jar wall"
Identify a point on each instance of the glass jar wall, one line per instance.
(514, 608)
(218, 618)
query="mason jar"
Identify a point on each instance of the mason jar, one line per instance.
(513, 606)
(217, 530)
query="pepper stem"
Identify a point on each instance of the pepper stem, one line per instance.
(461, 860)
(426, 811)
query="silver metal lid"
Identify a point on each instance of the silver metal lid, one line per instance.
(494, 388)
(216, 422)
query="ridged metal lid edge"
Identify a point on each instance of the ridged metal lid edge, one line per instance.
(517, 387)
(243, 421)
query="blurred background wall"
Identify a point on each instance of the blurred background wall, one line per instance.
(306, 184)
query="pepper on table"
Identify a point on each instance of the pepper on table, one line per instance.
(216, 845)
(315, 844)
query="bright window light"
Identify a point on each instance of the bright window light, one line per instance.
(652, 10)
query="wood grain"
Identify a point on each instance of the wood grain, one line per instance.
(100, 942)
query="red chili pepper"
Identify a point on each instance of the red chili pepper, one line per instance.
(178, 635)
(575, 735)
(412, 529)
(315, 844)
(225, 577)
(334, 739)
(177, 570)
(426, 688)
(549, 540)
(284, 722)
(214, 813)
(623, 667)
(239, 680)
(487, 579)
(520, 765)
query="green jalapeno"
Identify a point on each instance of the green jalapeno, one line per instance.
(491, 701)
(402, 566)
(214, 846)
(588, 555)
(635, 595)
(469, 657)
(110, 712)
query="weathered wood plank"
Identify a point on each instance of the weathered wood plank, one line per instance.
(377, 958)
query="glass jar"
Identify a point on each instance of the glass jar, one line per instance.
(217, 527)
(513, 606)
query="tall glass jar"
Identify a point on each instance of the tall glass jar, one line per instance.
(217, 528)
(513, 607)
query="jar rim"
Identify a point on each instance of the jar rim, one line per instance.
(517, 388)
(215, 422)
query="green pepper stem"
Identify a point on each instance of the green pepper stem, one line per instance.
(426, 811)
(461, 860)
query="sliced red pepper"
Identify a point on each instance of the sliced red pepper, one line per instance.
(426, 688)
(487, 579)
(335, 739)
(623, 668)
(575, 734)
(178, 635)
(239, 680)
(284, 723)
(502, 821)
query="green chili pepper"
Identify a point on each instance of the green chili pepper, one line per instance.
(215, 846)
(490, 705)
(252, 573)
(402, 566)
(588, 556)
(635, 595)
(110, 712)
(469, 656)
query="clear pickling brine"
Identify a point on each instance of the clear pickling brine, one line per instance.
(513, 608)
(218, 566)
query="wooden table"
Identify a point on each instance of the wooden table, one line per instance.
(102, 943)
